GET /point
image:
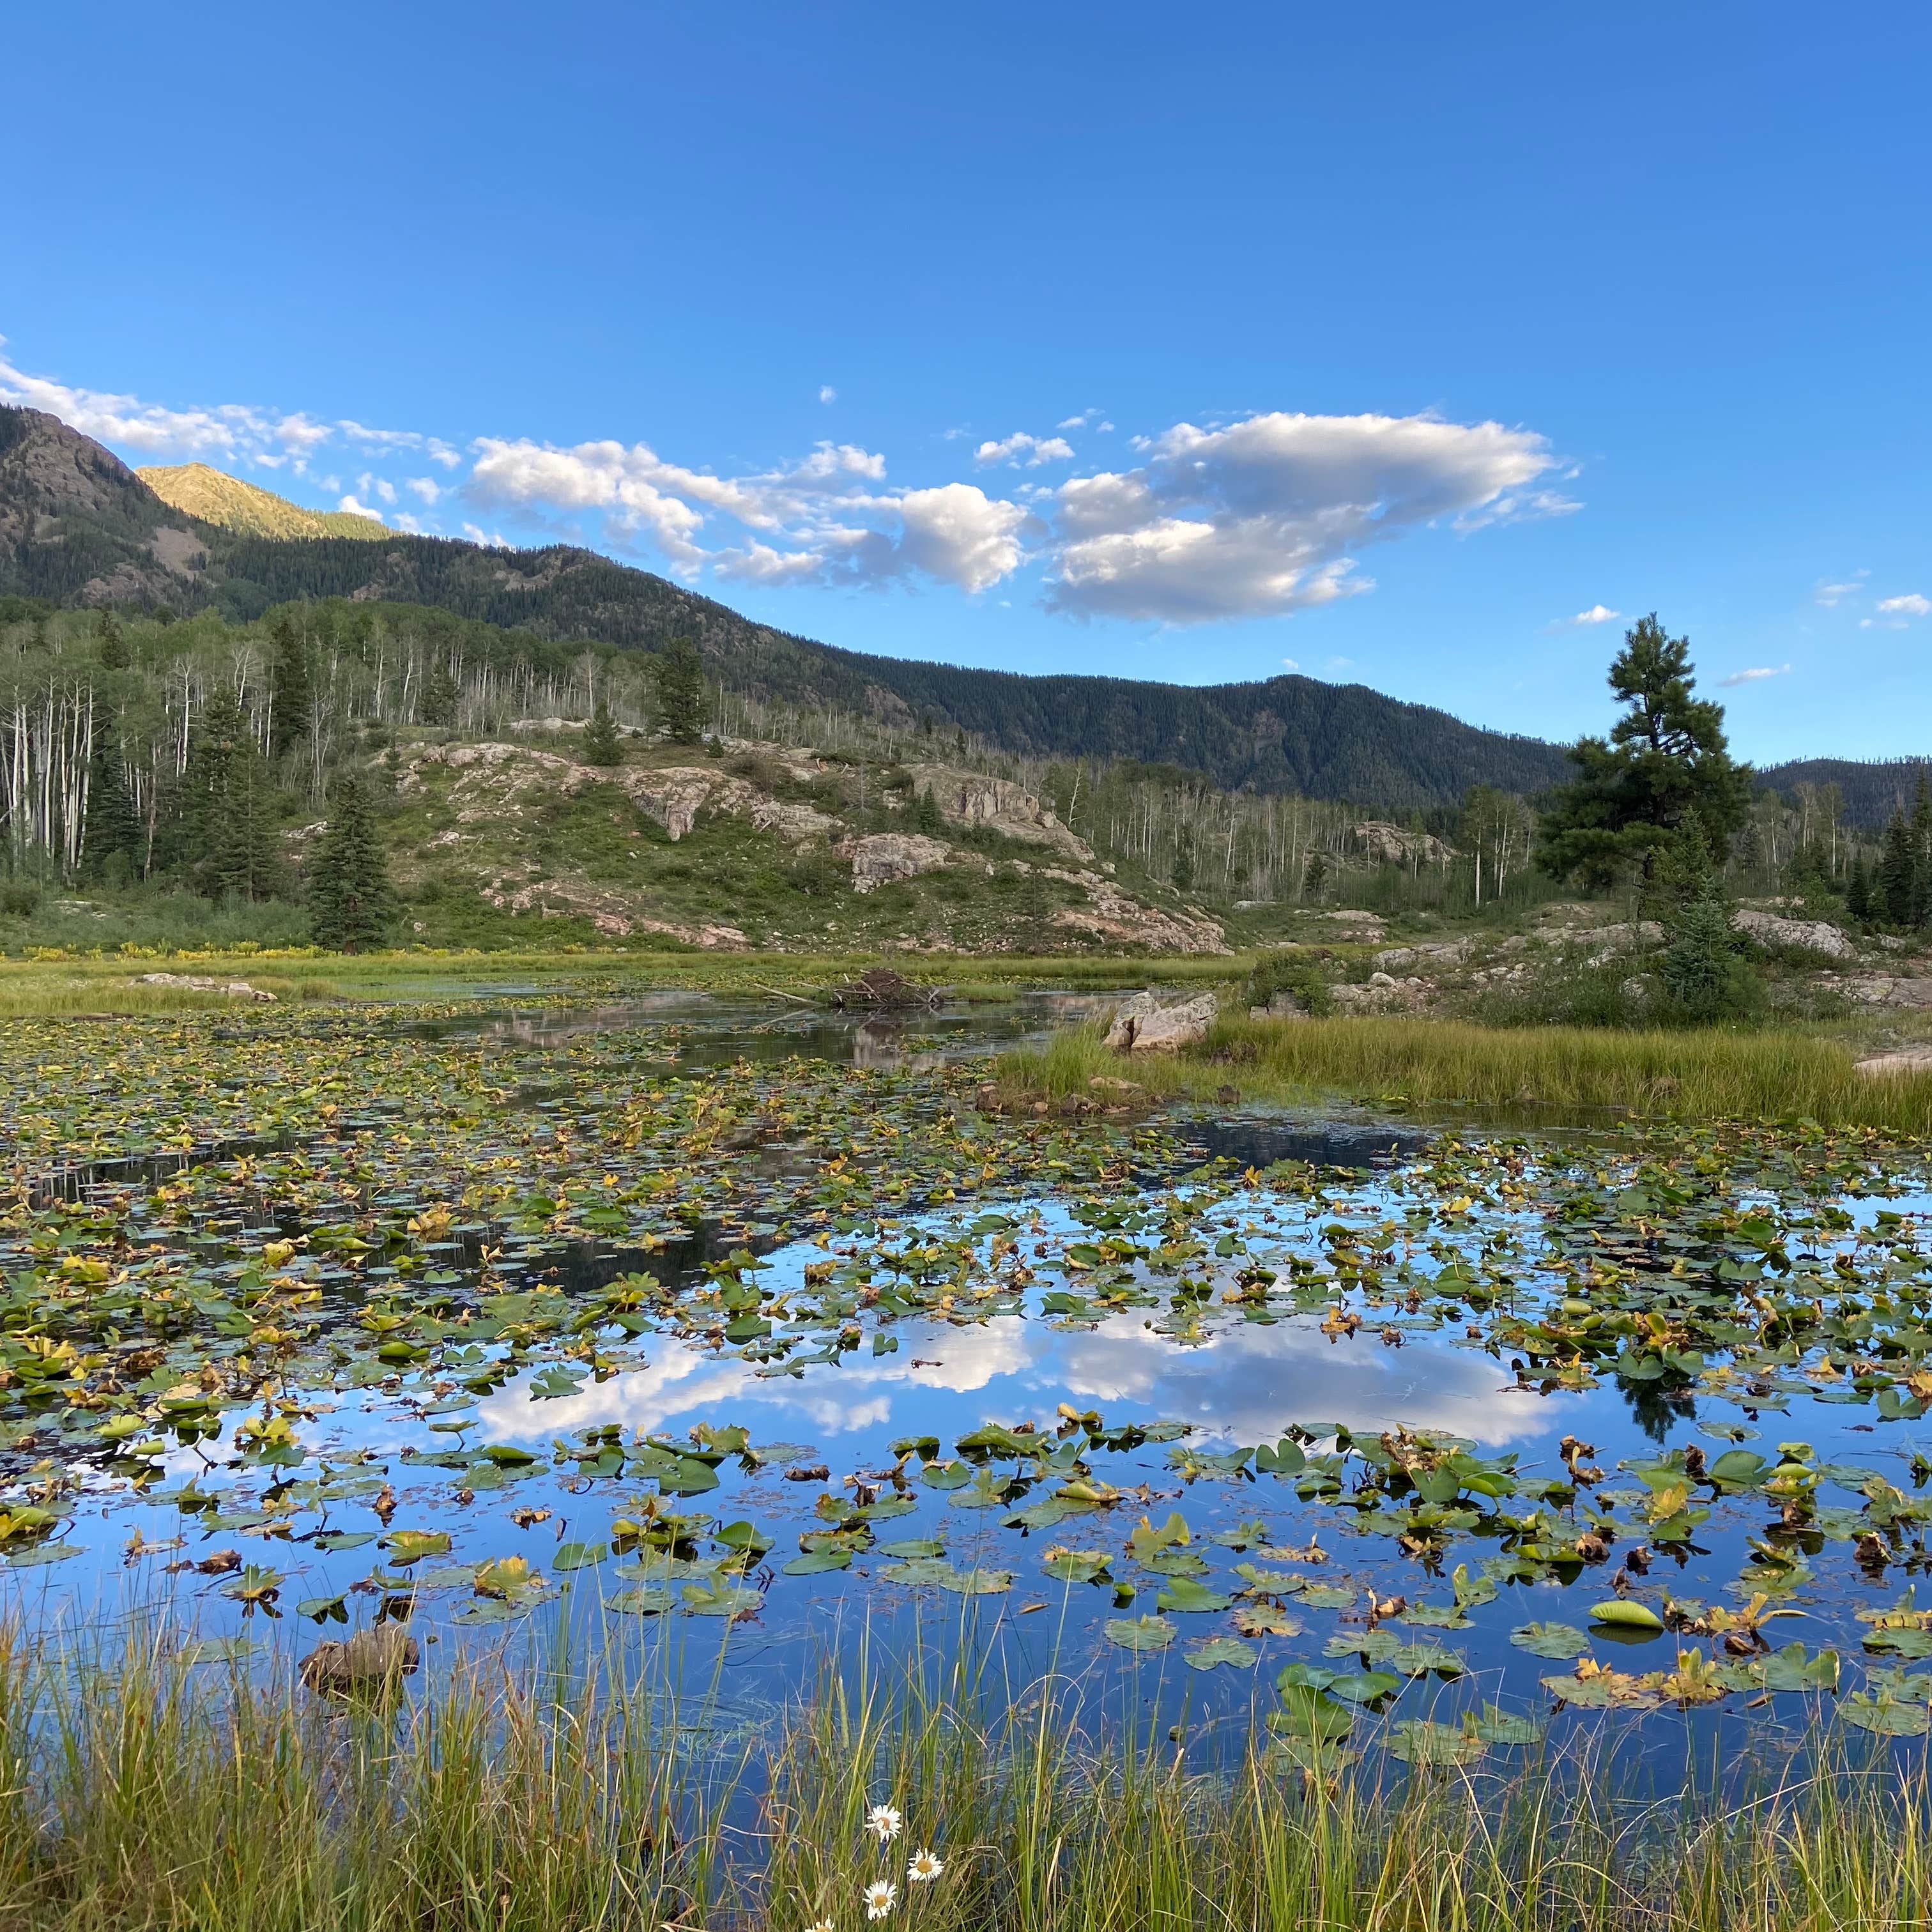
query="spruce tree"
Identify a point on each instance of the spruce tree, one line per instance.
(1895, 893)
(294, 688)
(1664, 768)
(115, 655)
(244, 848)
(351, 904)
(438, 704)
(111, 840)
(602, 744)
(1858, 892)
(678, 678)
(188, 828)
(1922, 852)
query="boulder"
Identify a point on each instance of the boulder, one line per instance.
(370, 1660)
(1902, 1063)
(880, 858)
(201, 982)
(1769, 928)
(1877, 989)
(1143, 1025)
(1442, 953)
(979, 799)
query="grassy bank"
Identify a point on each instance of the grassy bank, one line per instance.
(1785, 1073)
(161, 1799)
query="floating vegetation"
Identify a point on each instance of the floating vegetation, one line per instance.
(417, 1292)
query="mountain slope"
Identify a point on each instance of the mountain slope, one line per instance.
(78, 527)
(215, 497)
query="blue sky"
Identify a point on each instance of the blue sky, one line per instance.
(1387, 342)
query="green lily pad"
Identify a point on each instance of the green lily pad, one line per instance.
(1184, 1594)
(1221, 1650)
(1140, 1633)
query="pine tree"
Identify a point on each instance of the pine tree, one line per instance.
(115, 655)
(188, 829)
(1858, 892)
(111, 844)
(244, 850)
(1703, 969)
(602, 744)
(1316, 877)
(1895, 894)
(351, 904)
(294, 688)
(1664, 767)
(437, 705)
(1922, 852)
(926, 816)
(678, 678)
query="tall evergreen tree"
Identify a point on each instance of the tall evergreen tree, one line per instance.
(115, 655)
(1858, 892)
(678, 679)
(111, 845)
(294, 687)
(1895, 895)
(351, 904)
(1664, 768)
(188, 826)
(602, 744)
(438, 704)
(1921, 829)
(245, 852)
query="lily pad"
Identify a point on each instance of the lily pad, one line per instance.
(1140, 1633)
(1221, 1650)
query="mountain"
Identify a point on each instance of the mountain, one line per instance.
(78, 527)
(215, 497)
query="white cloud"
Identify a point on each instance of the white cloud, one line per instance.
(427, 488)
(960, 535)
(826, 393)
(1020, 447)
(1912, 605)
(1831, 595)
(489, 539)
(1290, 663)
(1755, 675)
(355, 509)
(372, 485)
(1598, 614)
(1257, 518)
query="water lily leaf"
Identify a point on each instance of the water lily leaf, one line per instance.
(1620, 1613)
(496, 1609)
(1498, 1726)
(646, 1600)
(909, 1546)
(721, 1599)
(1264, 1620)
(1887, 1716)
(954, 1475)
(1307, 1713)
(1419, 1659)
(1435, 1616)
(1422, 1742)
(569, 1556)
(342, 1539)
(1185, 1594)
(411, 1545)
(1327, 1596)
(1140, 1633)
(37, 1553)
(815, 1562)
(1363, 1686)
(1078, 1566)
(1738, 1469)
(1221, 1650)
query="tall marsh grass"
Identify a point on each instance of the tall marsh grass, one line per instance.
(495, 1800)
(1773, 1074)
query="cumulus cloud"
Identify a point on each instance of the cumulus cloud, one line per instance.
(826, 393)
(1290, 663)
(1756, 674)
(1598, 614)
(1266, 515)
(1912, 605)
(355, 509)
(1832, 595)
(1031, 450)
(1257, 518)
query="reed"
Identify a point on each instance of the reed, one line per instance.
(529, 1800)
(1775, 1074)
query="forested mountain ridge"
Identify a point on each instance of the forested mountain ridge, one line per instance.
(78, 528)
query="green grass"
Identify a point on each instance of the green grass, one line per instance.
(498, 1800)
(1783, 1074)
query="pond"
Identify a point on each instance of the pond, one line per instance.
(738, 1333)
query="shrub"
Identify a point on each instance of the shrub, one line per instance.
(1290, 970)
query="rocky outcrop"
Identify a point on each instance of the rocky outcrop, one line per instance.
(1878, 989)
(1769, 929)
(1443, 952)
(1384, 993)
(1115, 919)
(996, 804)
(1142, 1024)
(880, 858)
(1383, 844)
(200, 982)
(1902, 1063)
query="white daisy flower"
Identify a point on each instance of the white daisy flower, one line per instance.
(884, 1822)
(880, 1896)
(925, 1867)
(821, 1925)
